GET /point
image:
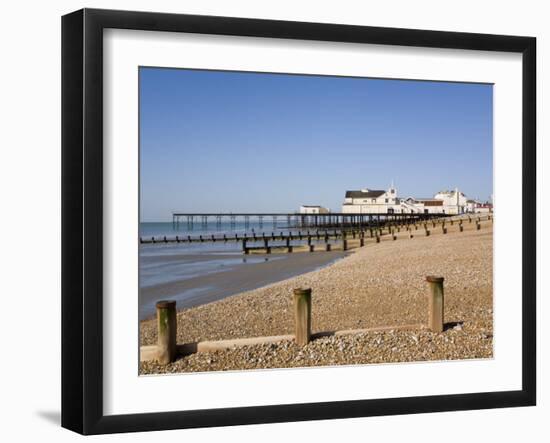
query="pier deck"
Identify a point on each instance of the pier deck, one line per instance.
(295, 220)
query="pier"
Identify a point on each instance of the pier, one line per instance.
(281, 241)
(298, 220)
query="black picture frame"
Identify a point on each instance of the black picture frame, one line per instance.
(82, 218)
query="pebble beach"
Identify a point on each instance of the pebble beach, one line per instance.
(379, 285)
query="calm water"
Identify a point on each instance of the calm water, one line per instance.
(161, 229)
(180, 271)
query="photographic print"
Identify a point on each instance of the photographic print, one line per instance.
(290, 221)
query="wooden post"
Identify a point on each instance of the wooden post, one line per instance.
(327, 247)
(311, 248)
(427, 232)
(394, 237)
(302, 315)
(461, 228)
(410, 234)
(344, 245)
(478, 225)
(362, 242)
(377, 238)
(436, 304)
(444, 229)
(167, 331)
(245, 249)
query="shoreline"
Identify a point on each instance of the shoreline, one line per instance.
(378, 285)
(259, 271)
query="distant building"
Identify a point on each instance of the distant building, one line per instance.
(483, 207)
(474, 206)
(313, 209)
(368, 201)
(454, 202)
(470, 205)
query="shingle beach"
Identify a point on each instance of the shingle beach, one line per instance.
(382, 284)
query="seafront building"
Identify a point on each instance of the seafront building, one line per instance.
(370, 201)
(313, 209)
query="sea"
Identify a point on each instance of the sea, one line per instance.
(197, 273)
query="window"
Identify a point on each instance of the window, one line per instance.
(387, 200)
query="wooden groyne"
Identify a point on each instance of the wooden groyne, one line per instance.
(166, 350)
(331, 239)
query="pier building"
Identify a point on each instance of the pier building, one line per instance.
(369, 201)
(313, 209)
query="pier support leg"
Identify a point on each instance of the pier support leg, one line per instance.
(167, 331)
(302, 315)
(436, 305)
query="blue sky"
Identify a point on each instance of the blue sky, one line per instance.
(230, 141)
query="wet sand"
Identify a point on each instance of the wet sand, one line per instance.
(250, 273)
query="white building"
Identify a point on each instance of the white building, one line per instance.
(313, 209)
(454, 202)
(477, 207)
(422, 205)
(369, 201)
